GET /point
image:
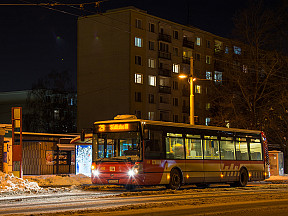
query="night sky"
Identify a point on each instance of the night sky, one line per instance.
(36, 40)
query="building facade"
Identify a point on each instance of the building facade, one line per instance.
(129, 63)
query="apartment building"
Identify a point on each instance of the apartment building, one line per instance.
(129, 63)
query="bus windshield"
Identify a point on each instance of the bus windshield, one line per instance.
(116, 146)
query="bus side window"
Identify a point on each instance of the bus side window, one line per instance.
(211, 147)
(174, 148)
(241, 149)
(193, 148)
(154, 148)
(256, 150)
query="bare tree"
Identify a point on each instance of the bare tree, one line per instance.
(254, 92)
(51, 105)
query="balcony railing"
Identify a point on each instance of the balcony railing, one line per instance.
(164, 37)
(187, 43)
(165, 89)
(164, 72)
(165, 55)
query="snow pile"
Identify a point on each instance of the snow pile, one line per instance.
(60, 180)
(12, 184)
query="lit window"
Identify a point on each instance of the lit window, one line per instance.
(198, 41)
(245, 69)
(237, 50)
(151, 63)
(226, 50)
(139, 23)
(218, 77)
(176, 68)
(151, 115)
(56, 114)
(207, 121)
(208, 75)
(139, 78)
(138, 42)
(208, 106)
(152, 80)
(198, 89)
(208, 59)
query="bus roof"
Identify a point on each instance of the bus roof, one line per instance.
(182, 125)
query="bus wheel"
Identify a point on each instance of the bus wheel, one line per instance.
(175, 180)
(243, 179)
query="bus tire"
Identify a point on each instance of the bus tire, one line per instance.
(243, 179)
(175, 180)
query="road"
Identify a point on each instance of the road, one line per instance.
(255, 200)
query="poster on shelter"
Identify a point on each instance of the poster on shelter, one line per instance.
(83, 159)
(49, 157)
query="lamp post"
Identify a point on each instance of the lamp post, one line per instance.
(190, 80)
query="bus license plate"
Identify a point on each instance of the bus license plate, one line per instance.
(113, 181)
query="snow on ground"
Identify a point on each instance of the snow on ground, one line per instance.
(59, 180)
(12, 185)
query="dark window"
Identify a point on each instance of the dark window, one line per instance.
(151, 98)
(138, 60)
(138, 114)
(138, 96)
(139, 23)
(175, 101)
(175, 85)
(151, 27)
(151, 45)
(175, 118)
(175, 34)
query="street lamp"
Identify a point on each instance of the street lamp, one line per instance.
(191, 79)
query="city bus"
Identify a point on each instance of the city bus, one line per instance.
(135, 152)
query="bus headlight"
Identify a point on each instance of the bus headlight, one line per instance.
(95, 172)
(132, 172)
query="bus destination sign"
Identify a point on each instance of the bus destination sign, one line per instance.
(117, 127)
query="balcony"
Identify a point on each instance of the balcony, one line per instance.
(218, 52)
(187, 43)
(164, 37)
(186, 60)
(165, 89)
(164, 55)
(164, 72)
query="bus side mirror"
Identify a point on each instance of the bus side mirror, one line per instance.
(146, 134)
(82, 136)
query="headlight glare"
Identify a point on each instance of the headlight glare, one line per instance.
(95, 172)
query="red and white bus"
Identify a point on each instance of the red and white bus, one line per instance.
(135, 152)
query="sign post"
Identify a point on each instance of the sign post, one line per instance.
(17, 146)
